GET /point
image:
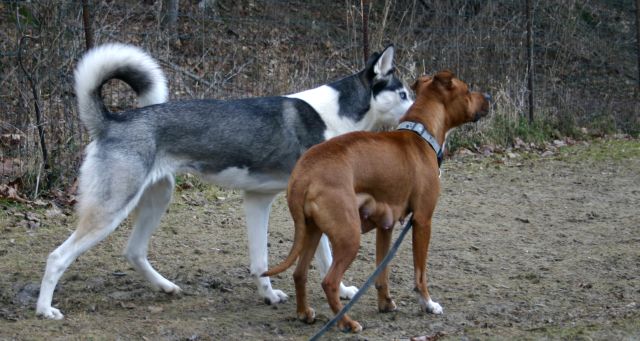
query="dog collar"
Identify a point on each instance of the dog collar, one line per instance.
(421, 130)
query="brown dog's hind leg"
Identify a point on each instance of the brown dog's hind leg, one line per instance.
(383, 241)
(345, 239)
(310, 243)
(421, 238)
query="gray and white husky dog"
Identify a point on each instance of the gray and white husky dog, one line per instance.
(250, 144)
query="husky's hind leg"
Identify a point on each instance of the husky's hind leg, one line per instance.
(151, 207)
(103, 204)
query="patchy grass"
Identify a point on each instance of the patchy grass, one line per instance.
(602, 150)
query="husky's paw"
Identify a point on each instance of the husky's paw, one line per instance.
(275, 297)
(431, 307)
(170, 288)
(49, 313)
(346, 292)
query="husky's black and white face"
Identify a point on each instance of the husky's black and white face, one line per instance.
(369, 100)
(390, 97)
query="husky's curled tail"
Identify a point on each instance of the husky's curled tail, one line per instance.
(115, 61)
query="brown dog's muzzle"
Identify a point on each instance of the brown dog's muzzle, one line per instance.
(484, 110)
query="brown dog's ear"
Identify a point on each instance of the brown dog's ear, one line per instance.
(421, 79)
(444, 78)
(414, 86)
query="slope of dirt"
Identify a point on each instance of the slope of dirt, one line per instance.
(523, 247)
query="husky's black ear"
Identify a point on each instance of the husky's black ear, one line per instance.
(384, 64)
(380, 64)
(372, 60)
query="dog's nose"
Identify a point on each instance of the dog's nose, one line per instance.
(487, 97)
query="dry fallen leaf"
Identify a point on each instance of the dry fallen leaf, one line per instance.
(11, 193)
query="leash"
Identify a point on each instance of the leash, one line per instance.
(367, 284)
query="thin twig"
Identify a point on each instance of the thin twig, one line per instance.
(237, 72)
(36, 104)
(185, 72)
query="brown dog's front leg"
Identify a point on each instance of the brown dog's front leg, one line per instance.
(421, 238)
(383, 241)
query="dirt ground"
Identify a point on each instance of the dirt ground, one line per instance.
(524, 246)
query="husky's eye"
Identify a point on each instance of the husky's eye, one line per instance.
(403, 95)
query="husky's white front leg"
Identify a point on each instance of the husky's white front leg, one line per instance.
(323, 261)
(257, 207)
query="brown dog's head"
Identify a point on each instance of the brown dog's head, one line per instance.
(459, 102)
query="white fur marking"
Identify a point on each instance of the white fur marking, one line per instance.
(241, 178)
(257, 207)
(431, 306)
(325, 101)
(386, 109)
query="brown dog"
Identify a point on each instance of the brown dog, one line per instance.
(353, 183)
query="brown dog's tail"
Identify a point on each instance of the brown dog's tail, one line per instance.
(296, 206)
(293, 254)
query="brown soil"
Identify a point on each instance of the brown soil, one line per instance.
(526, 247)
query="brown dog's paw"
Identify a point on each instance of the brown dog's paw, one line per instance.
(349, 326)
(387, 306)
(308, 316)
